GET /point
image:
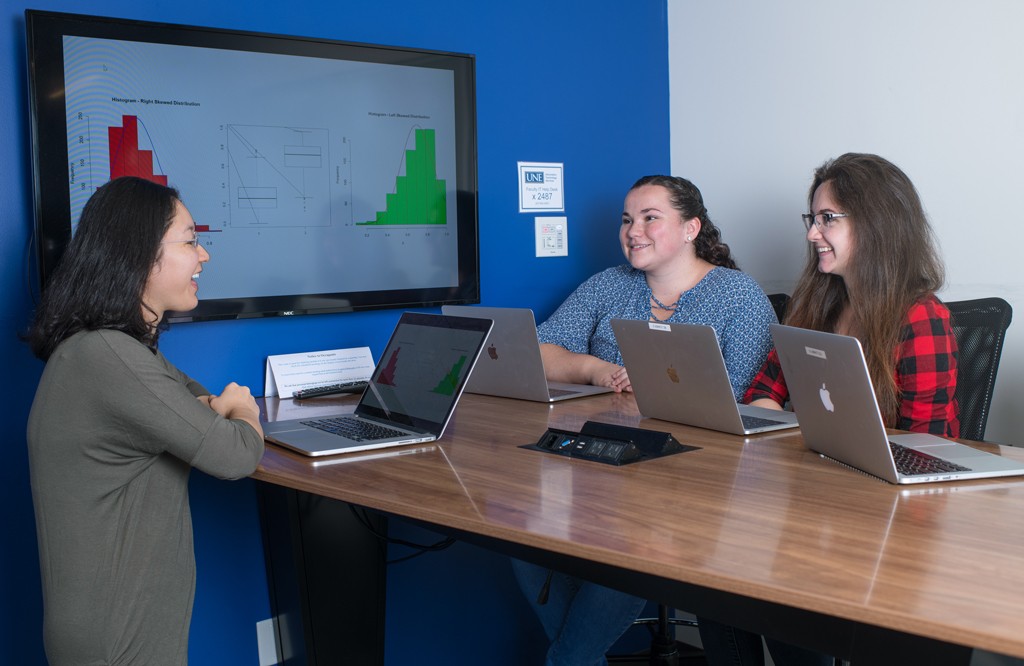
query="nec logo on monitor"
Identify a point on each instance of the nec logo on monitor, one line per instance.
(534, 176)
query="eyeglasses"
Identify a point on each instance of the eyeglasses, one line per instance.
(821, 221)
(194, 241)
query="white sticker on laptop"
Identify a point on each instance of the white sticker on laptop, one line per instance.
(659, 327)
(817, 353)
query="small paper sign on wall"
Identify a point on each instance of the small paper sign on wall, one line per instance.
(540, 187)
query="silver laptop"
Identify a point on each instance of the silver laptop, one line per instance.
(512, 366)
(831, 392)
(678, 374)
(411, 394)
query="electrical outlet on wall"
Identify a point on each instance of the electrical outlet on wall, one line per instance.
(266, 642)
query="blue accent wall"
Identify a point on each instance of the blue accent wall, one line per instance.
(584, 83)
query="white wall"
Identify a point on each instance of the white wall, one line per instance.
(763, 92)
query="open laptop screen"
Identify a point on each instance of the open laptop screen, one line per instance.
(423, 369)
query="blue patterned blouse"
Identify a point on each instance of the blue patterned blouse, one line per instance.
(729, 301)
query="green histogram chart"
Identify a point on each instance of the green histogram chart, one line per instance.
(419, 196)
(450, 381)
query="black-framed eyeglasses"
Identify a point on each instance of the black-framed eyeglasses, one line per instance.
(194, 241)
(822, 221)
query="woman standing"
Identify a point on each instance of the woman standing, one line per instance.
(115, 429)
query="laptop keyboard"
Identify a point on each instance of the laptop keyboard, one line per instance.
(356, 429)
(913, 462)
(752, 422)
(558, 393)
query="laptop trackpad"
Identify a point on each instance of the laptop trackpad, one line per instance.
(937, 446)
(271, 429)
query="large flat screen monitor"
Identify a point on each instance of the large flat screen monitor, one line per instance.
(324, 176)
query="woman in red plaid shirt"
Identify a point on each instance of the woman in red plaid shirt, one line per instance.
(872, 272)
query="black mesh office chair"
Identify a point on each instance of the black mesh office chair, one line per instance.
(779, 303)
(979, 326)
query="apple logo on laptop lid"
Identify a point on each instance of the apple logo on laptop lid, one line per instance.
(826, 398)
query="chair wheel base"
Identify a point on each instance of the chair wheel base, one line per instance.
(663, 653)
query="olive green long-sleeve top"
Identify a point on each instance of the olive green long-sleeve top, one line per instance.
(113, 434)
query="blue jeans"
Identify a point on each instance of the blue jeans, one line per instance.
(582, 620)
(726, 645)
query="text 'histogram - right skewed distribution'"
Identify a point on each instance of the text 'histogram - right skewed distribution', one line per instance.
(419, 196)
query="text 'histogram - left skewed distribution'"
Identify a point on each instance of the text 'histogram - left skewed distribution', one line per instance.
(125, 157)
(419, 196)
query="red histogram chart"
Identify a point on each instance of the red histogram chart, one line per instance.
(125, 157)
(387, 375)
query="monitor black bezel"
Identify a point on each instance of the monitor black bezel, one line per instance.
(49, 150)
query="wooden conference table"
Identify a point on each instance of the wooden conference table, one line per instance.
(758, 531)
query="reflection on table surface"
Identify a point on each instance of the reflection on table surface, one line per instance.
(760, 516)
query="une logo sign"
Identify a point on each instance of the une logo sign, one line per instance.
(534, 176)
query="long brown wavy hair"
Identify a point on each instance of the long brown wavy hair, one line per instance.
(895, 264)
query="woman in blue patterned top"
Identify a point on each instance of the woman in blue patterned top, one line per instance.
(679, 271)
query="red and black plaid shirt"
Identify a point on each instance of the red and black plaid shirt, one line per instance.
(925, 373)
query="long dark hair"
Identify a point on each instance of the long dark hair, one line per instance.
(101, 278)
(895, 263)
(686, 198)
